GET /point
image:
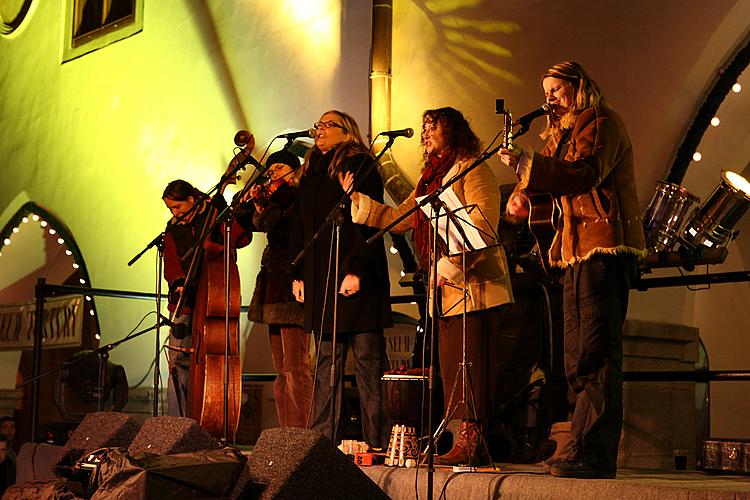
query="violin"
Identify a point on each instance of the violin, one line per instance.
(262, 193)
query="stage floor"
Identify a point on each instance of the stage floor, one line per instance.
(514, 481)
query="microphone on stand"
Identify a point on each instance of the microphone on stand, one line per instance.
(302, 133)
(526, 119)
(404, 132)
(179, 330)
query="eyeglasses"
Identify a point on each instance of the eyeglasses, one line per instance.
(326, 125)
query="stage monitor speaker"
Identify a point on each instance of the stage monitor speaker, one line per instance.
(290, 462)
(105, 429)
(170, 435)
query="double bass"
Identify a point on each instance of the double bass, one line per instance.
(215, 380)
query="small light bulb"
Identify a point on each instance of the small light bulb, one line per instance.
(88, 297)
(68, 252)
(75, 265)
(25, 220)
(43, 223)
(403, 273)
(35, 217)
(6, 241)
(52, 231)
(715, 121)
(736, 88)
(91, 312)
(697, 156)
(394, 250)
(60, 241)
(15, 230)
(97, 336)
(82, 281)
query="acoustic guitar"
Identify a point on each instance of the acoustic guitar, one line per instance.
(544, 213)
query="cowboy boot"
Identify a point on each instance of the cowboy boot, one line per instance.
(468, 448)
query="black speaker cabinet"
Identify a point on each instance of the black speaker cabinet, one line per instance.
(293, 463)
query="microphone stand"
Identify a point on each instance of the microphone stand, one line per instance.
(336, 218)
(157, 340)
(103, 354)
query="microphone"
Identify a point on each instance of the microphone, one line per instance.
(526, 119)
(179, 330)
(302, 133)
(242, 137)
(404, 132)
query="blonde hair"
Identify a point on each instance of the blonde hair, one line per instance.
(351, 145)
(587, 95)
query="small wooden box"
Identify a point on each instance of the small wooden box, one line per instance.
(726, 455)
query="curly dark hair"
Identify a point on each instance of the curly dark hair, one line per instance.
(456, 131)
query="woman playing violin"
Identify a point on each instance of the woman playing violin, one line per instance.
(273, 303)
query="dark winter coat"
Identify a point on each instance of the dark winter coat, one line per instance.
(366, 311)
(273, 302)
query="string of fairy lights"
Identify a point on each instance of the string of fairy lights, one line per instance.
(31, 214)
(716, 121)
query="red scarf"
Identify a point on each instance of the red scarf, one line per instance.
(431, 179)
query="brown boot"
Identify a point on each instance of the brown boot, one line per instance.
(467, 449)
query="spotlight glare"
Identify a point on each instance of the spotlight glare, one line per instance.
(697, 156)
(715, 121)
(736, 88)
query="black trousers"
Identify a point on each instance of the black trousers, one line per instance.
(370, 361)
(595, 302)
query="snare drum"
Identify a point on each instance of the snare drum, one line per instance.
(665, 215)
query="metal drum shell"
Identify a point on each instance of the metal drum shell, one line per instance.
(665, 215)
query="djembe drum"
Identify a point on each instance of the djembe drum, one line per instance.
(403, 394)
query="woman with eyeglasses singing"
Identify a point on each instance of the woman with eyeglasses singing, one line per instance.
(362, 290)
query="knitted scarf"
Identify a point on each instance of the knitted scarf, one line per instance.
(431, 179)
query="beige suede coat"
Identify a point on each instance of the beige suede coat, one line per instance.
(486, 274)
(595, 182)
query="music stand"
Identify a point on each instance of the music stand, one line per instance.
(461, 235)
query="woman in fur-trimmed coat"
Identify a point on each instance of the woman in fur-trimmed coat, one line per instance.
(587, 164)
